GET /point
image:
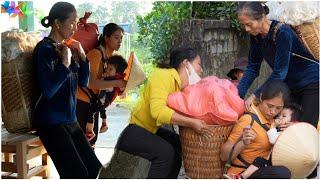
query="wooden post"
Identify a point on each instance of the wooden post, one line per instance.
(22, 166)
(8, 157)
(45, 162)
(26, 23)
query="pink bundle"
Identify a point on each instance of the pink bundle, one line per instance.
(214, 100)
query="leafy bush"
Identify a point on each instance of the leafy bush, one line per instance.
(217, 10)
(159, 28)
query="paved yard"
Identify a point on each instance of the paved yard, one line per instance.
(117, 120)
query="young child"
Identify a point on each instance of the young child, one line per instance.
(290, 113)
(237, 72)
(115, 70)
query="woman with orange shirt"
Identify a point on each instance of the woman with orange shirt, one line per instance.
(249, 140)
(109, 42)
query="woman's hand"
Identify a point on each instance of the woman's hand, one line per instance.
(201, 127)
(65, 55)
(248, 135)
(276, 123)
(249, 101)
(76, 46)
(196, 124)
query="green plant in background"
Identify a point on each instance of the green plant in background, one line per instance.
(159, 27)
(143, 53)
(219, 11)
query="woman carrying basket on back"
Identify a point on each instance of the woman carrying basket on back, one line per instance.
(289, 60)
(60, 68)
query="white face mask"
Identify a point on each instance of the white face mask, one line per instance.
(192, 75)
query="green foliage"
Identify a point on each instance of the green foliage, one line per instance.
(159, 27)
(143, 53)
(217, 10)
(148, 68)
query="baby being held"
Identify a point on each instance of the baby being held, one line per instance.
(289, 114)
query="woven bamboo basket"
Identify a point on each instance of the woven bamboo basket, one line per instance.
(310, 35)
(18, 83)
(201, 155)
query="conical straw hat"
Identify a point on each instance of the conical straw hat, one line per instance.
(297, 148)
(134, 73)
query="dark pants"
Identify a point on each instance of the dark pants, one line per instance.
(84, 115)
(271, 172)
(163, 149)
(308, 98)
(261, 162)
(70, 151)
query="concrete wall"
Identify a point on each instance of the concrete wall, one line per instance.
(218, 45)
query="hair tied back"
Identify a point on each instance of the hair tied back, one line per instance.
(45, 21)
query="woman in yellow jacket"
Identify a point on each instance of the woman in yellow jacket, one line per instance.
(143, 136)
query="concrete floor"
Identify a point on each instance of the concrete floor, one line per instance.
(117, 121)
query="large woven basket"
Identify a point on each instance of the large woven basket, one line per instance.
(201, 155)
(18, 87)
(310, 35)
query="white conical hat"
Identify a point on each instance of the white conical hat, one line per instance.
(134, 73)
(297, 148)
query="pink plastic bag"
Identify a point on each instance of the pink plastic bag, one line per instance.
(214, 100)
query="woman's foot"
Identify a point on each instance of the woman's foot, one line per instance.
(104, 127)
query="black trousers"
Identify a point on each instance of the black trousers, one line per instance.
(308, 98)
(271, 172)
(163, 149)
(84, 115)
(70, 151)
(261, 162)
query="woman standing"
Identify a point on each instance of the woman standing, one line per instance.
(109, 42)
(143, 136)
(301, 75)
(248, 139)
(59, 70)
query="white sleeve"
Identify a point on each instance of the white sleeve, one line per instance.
(273, 135)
